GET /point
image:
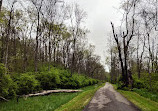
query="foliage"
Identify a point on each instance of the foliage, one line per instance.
(54, 101)
(143, 103)
(27, 84)
(149, 82)
(48, 80)
(120, 84)
(78, 81)
(138, 83)
(39, 103)
(145, 93)
(60, 78)
(2, 70)
(7, 86)
(30, 82)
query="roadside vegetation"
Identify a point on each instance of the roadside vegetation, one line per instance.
(141, 94)
(40, 103)
(133, 53)
(79, 102)
(145, 86)
(25, 83)
(141, 102)
(55, 101)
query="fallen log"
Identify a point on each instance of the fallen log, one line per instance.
(52, 91)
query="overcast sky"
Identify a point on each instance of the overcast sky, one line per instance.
(100, 13)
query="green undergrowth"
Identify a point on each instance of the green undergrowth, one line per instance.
(40, 103)
(147, 94)
(145, 104)
(51, 102)
(146, 81)
(31, 82)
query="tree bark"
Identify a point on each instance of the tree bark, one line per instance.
(1, 1)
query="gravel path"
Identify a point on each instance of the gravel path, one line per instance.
(107, 99)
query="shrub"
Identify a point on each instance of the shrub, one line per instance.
(120, 83)
(155, 86)
(7, 86)
(64, 81)
(145, 93)
(27, 84)
(78, 81)
(30, 82)
(137, 83)
(2, 70)
(75, 81)
(49, 80)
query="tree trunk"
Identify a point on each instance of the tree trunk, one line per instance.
(1, 1)
(36, 49)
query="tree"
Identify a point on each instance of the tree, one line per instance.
(123, 40)
(38, 7)
(78, 15)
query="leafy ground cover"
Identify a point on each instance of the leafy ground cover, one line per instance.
(31, 82)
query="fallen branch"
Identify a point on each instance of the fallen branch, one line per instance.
(52, 91)
(2, 98)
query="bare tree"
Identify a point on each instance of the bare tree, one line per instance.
(126, 36)
(38, 7)
(8, 32)
(76, 17)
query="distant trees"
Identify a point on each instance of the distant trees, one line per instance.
(76, 16)
(46, 33)
(38, 7)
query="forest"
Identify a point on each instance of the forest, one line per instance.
(43, 46)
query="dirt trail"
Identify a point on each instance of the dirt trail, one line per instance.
(107, 99)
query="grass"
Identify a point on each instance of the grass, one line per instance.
(147, 94)
(79, 102)
(40, 103)
(143, 103)
(51, 102)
